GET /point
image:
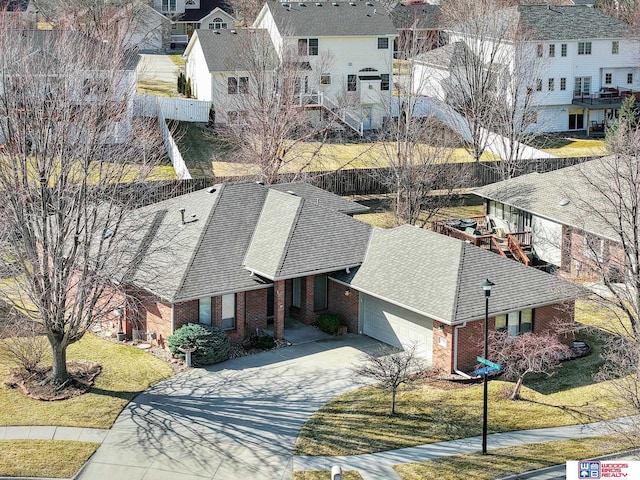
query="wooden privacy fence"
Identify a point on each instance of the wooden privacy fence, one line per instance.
(365, 181)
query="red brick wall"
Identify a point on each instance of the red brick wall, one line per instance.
(579, 262)
(346, 306)
(255, 310)
(442, 355)
(279, 311)
(471, 337)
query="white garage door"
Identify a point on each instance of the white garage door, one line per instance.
(397, 326)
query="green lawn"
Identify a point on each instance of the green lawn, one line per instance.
(43, 458)
(501, 462)
(126, 371)
(435, 412)
(572, 147)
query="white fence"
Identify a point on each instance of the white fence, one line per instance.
(172, 149)
(182, 109)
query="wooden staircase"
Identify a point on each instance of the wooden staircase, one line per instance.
(319, 101)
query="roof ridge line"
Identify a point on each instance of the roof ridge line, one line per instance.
(456, 296)
(294, 223)
(200, 239)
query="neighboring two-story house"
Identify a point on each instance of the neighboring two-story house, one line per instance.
(348, 47)
(588, 64)
(189, 15)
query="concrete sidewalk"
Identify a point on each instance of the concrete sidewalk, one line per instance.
(379, 465)
(42, 432)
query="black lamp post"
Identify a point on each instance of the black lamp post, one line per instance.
(486, 286)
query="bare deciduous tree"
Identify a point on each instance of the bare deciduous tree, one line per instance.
(391, 369)
(68, 138)
(526, 354)
(264, 112)
(495, 76)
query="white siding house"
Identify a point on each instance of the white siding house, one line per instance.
(586, 63)
(348, 47)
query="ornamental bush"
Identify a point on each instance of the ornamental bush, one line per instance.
(329, 323)
(211, 341)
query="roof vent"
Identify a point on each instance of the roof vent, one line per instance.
(212, 190)
(233, 32)
(353, 4)
(369, 4)
(260, 182)
(181, 210)
(217, 32)
(564, 202)
(335, 4)
(318, 4)
(291, 192)
(302, 4)
(285, 5)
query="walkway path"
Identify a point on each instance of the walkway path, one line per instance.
(42, 432)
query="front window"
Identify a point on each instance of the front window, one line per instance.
(552, 50)
(237, 85)
(584, 48)
(351, 83)
(608, 78)
(320, 293)
(629, 78)
(204, 310)
(229, 312)
(539, 85)
(386, 83)
(383, 43)
(168, 5)
(563, 50)
(217, 24)
(325, 79)
(615, 47)
(563, 83)
(516, 323)
(307, 46)
(551, 84)
(540, 50)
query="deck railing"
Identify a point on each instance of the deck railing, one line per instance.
(321, 100)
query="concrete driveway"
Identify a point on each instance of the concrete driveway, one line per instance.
(237, 420)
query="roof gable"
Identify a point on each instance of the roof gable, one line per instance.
(441, 277)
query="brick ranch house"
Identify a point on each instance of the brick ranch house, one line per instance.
(242, 256)
(571, 213)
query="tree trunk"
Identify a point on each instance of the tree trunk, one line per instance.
(59, 366)
(392, 411)
(516, 390)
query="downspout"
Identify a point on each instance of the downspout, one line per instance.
(173, 319)
(455, 351)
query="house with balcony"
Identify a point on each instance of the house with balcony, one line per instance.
(347, 50)
(587, 65)
(187, 16)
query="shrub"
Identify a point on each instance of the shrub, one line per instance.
(260, 342)
(329, 323)
(24, 345)
(187, 88)
(212, 343)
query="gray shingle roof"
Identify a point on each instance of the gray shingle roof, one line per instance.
(321, 197)
(441, 277)
(281, 233)
(445, 56)
(327, 20)
(229, 50)
(206, 7)
(295, 236)
(424, 16)
(561, 22)
(545, 194)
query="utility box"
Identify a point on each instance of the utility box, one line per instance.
(336, 472)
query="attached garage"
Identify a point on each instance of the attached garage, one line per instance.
(396, 326)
